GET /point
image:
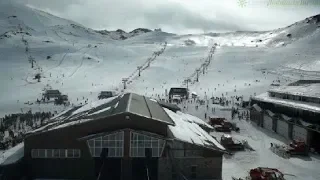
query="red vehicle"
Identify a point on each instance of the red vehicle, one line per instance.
(296, 147)
(264, 173)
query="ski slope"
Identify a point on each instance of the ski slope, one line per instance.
(81, 62)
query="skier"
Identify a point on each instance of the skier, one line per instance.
(205, 115)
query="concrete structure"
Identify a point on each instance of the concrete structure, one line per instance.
(293, 111)
(123, 137)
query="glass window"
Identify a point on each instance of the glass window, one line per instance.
(70, 153)
(118, 143)
(112, 137)
(147, 138)
(104, 144)
(56, 153)
(49, 153)
(97, 152)
(34, 153)
(148, 144)
(42, 153)
(76, 153)
(121, 135)
(97, 143)
(112, 143)
(62, 153)
(105, 138)
(154, 144)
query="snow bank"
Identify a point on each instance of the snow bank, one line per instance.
(12, 155)
(186, 130)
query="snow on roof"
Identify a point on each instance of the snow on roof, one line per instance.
(100, 111)
(60, 115)
(289, 103)
(12, 155)
(194, 119)
(304, 123)
(287, 118)
(94, 104)
(153, 100)
(308, 90)
(270, 113)
(186, 130)
(256, 107)
(71, 123)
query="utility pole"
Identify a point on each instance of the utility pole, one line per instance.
(139, 69)
(124, 81)
(198, 70)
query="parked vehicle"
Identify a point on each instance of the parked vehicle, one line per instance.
(231, 144)
(263, 173)
(295, 148)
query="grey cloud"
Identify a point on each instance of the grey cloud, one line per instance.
(176, 15)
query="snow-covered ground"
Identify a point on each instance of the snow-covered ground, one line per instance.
(81, 62)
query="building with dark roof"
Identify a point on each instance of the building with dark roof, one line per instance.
(52, 94)
(124, 137)
(295, 111)
(182, 92)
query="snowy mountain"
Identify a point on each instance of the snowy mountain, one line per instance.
(65, 53)
(122, 35)
(81, 62)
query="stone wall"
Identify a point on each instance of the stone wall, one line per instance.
(206, 168)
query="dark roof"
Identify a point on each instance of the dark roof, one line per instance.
(125, 103)
(178, 90)
(170, 106)
(52, 92)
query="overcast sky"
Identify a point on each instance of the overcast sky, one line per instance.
(180, 16)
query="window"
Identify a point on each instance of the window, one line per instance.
(76, 153)
(62, 153)
(112, 142)
(34, 153)
(70, 153)
(41, 153)
(49, 153)
(142, 145)
(193, 172)
(55, 153)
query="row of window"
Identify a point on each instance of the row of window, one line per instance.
(55, 153)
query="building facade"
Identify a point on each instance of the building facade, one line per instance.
(292, 111)
(129, 137)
